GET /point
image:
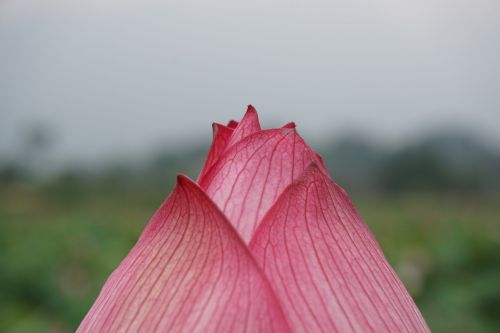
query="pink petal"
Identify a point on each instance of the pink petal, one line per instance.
(221, 136)
(249, 176)
(232, 124)
(326, 266)
(248, 125)
(225, 136)
(189, 272)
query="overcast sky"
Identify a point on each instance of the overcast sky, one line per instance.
(118, 76)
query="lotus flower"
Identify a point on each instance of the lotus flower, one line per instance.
(263, 241)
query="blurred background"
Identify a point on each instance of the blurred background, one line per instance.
(103, 102)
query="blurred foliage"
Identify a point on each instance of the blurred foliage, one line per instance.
(444, 162)
(433, 205)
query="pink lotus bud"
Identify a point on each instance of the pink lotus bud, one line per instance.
(265, 241)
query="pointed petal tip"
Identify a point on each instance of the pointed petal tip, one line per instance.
(217, 126)
(251, 113)
(232, 123)
(287, 130)
(183, 180)
(290, 125)
(251, 108)
(248, 125)
(215, 129)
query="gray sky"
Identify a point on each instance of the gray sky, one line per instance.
(115, 76)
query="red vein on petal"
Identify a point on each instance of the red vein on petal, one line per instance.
(345, 254)
(368, 271)
(375, 248)
(323, 269)
(146, 274)
(186, 266)
(189, 271)
(327, 277)
(293, 272)
(245, 199)
(140, 248)
(190, 262)
(212, 290)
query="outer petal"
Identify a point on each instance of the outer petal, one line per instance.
(189, 272)
(221, 136)
(326, 266)
(249, 177)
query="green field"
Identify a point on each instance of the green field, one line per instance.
(58, 247)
